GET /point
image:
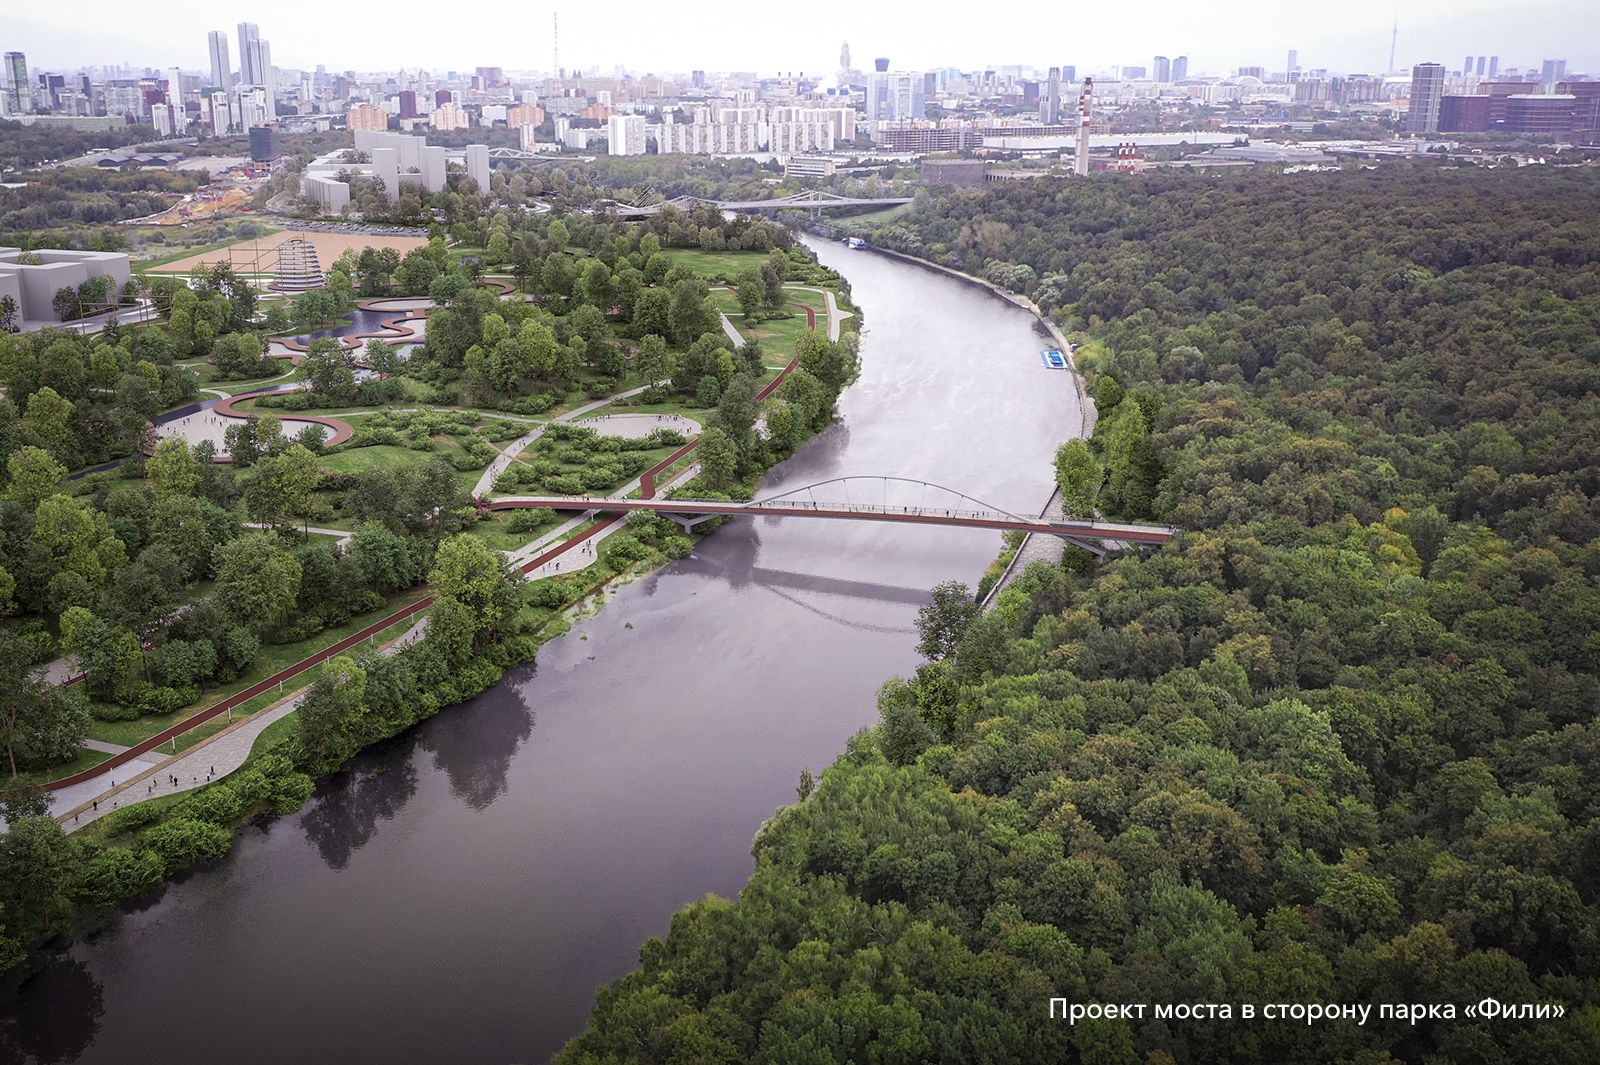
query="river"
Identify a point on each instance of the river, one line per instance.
(460, 892)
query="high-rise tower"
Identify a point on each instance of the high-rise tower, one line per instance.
(1427, 92)
(18, 93)
(1080, 159)
(221, 65)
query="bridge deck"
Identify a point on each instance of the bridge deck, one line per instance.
(971, 519)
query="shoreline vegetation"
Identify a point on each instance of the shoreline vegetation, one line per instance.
(411, 519)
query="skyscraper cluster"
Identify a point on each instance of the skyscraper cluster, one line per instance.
(255, 57)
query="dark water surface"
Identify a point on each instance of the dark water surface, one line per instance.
(459, 894)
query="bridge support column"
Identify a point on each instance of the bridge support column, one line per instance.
(1096, 549)
(687, 522)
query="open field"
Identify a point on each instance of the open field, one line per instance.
(204, 249)
(243, 254)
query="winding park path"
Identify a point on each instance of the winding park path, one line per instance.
(130, 775)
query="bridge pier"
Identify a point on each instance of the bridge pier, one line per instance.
(687, 522)
(1093, 547)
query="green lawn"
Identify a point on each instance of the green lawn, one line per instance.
(388, 456)
(234, 388)
(373, 457)
(713, 264)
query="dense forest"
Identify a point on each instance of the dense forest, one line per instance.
(1335, 744)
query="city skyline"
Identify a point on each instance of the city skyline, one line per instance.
(307, 36)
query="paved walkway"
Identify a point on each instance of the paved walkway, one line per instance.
(485, 483)
(343, 535)
(584, 557)
(58, 671)
(835, 316)
(638, 426)
(210, 759)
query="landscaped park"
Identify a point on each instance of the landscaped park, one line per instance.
(241, 543)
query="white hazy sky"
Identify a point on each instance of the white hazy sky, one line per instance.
(663, 36)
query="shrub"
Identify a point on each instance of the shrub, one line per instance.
(119, 873)
(524, 521)
(113, 712)
(132, 818)
(183, 841)
(623, 549)
(218, 805)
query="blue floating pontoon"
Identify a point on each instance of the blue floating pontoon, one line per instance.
(1053, 359)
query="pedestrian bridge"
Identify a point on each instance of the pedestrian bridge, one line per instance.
(814, 200)
(888, 499)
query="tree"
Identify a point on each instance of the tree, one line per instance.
(109, 655)
(38, 728)
(499, 249)
(652, 360)
(330, 369)
(48, 423)
(719, 457)
(598, 286)
(285, 485)
(9, 312)
(39, 869)
(774, 270)
(902, 733)
(330, 713)
(1078, 477)
(385, 558)
(172, 469)
(35, 475)
(65, 304)
(145, 592)
(652, 313)
(943, 622)
(257, 580)
(737, 410)
(752, 294)
(478, 594)
(689, 311)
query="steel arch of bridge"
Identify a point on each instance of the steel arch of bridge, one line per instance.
(978, 504)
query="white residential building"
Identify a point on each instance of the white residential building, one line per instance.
(626, 133)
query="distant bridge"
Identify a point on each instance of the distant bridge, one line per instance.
(813, 200)
(946, 507)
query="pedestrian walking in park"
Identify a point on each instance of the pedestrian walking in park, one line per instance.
(96, 804)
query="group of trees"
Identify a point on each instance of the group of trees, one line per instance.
(1336, 743)
(88, 195)
(85, 400)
